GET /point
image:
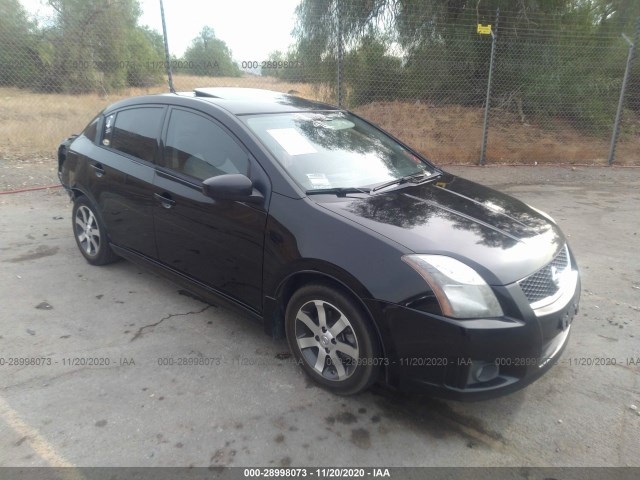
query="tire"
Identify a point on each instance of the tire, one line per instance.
(90, 233)
(332, 339)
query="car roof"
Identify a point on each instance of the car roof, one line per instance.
(242, 101)
(237, 101)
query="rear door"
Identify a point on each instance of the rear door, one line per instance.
(216, 242)
(121, 176)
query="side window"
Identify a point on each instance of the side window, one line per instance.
(108, 129)
(134, 131)
(91, 130)
(196, 146)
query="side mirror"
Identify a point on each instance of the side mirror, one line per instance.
(233, 186)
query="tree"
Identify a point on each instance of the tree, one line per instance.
(96, 45)
(286, 66)
(208, 56)
(19, 53)
(554, 57)
(373, 74)
(146, 52)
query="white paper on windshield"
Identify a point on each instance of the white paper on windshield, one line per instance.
(318, 180)
(292, 141)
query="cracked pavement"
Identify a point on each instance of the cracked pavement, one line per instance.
(203, 386)
(151, 325)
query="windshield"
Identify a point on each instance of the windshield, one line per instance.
(323, 150)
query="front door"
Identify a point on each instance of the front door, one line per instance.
(216, 242)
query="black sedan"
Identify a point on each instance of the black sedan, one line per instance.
(375, 264)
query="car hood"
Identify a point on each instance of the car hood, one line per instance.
(502, 238)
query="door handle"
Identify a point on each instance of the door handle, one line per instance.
(165, 199)
(99, 170)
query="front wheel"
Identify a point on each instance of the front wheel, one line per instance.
(331, 338)
(90, 233)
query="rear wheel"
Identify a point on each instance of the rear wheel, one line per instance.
(332, 339)
(90, 233)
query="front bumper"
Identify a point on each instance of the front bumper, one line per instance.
(475, 359)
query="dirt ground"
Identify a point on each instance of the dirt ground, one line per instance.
(261, 410)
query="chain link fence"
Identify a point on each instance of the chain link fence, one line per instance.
(461, 85)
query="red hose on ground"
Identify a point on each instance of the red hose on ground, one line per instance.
(31, 189)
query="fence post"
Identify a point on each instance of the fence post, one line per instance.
(166, 50)
(485, 126)
(340, 53)
(616, 124)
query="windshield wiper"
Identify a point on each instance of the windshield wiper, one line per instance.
(415, 178)
(339, 191)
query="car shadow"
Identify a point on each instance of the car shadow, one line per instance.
(374, 412)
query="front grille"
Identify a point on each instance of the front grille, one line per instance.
(541, 284)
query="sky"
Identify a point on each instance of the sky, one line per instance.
(251, 28)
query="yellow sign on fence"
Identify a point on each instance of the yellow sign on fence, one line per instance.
(484, 29)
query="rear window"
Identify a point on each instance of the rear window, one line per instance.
(134, 132)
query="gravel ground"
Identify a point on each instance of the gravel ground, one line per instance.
(259, 409)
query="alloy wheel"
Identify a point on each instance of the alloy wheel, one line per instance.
(87, 231)
(327, 340)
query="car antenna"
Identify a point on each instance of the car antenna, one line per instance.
(166, 50)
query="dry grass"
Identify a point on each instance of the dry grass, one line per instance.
(453, 134)
(32, 125)
(35, 123)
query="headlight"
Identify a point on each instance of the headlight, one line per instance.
(461, 292)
